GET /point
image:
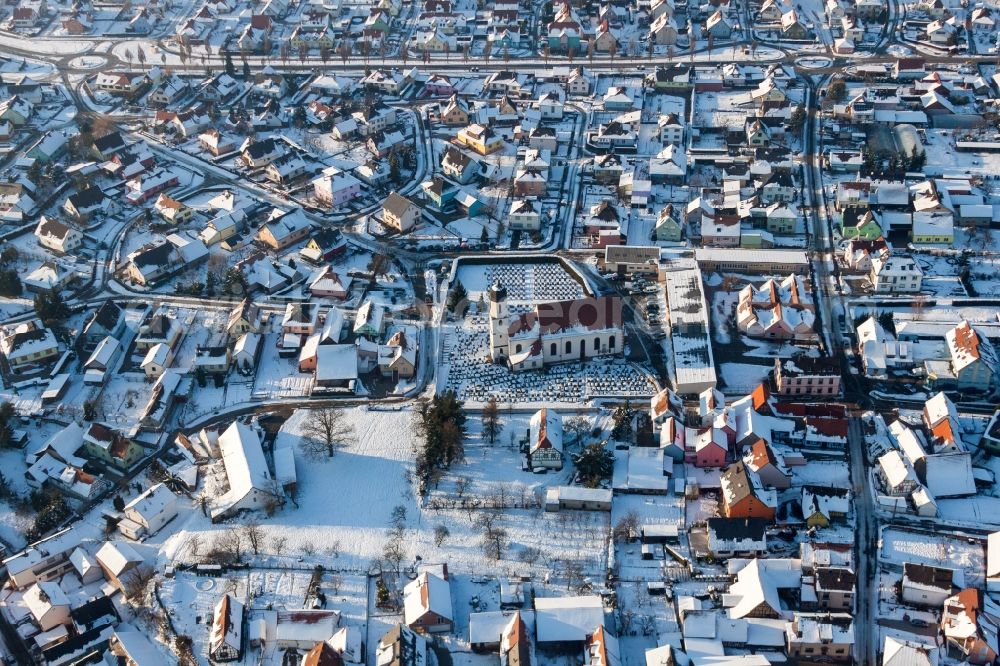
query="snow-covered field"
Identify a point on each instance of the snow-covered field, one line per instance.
(900, 546)
(345, 504)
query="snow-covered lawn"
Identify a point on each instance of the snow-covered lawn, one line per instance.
(900, 546)
(343, 507)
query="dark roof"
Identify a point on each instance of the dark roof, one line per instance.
(397, 204)
(809, 365)
(328, 239)
(51, 227)
(158, 255)
(738, 480)
(259, 149)
(92, 196)
(781, 178)
(594, 314)
(455, 156)
(27, 337)
(738, 529)
(158, 325)
(605, 211)
(923, 574)
(107, 315)
(108, 142)
(831, 578)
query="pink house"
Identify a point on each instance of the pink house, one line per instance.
(710, 448)
(336, 189)
(438, 86)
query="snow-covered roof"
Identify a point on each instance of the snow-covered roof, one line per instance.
(152, 502)
(560, 619)
(427, 593)
(140, 650)
(243, 458)
(950, 475)
(117, 557)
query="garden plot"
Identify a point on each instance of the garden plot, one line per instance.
(468, 371)
(192, 601)
(491, 469)
(344, 505)
(940, 275)
(527, 283)
(900, 546)
(822, 473)
(983, 275)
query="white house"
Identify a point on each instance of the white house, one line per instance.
(545, 439)
(427, 604)
(147, 513)
(250, 484)
(157, 360)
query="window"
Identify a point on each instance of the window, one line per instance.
(569, 347)
(553, 349)
(517, 349)
(597, 344)
(611, 342)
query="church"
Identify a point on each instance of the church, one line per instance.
(556, 332)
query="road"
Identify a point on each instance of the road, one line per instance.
(865, 535)
(830, 305)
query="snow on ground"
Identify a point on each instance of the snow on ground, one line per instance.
(900, 546)
(822, 473)
(742, 377)
(343, 507)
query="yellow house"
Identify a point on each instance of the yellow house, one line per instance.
(481, 139)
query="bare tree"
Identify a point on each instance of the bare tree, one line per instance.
(574, 573)
(394, 552)
(229, 545)
(193, 545)
(627, 528)
(578, 426)
(461, 486)
(275, 499)
(530, 555)
(135, 583)
(253, 534)
(334, 581)
(441, 533)
(326, 430)
(491, 420)
(495, 537)
(278, 544)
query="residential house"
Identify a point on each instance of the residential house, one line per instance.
(111, 447)
(427, 606)
(283, 229)
(399, 213)
(57, 236)
(743, 494)
(148, 512)
(545, 439)
(482, 140)
(28, 343)
(928, 586)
